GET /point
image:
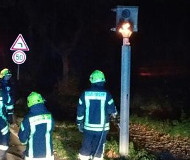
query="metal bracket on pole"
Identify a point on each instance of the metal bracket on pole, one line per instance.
(126, 41)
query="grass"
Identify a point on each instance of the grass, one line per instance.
(67, 140)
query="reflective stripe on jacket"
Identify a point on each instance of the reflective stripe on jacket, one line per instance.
(4, 134)
(4, 129)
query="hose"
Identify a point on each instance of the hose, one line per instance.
(100, 140)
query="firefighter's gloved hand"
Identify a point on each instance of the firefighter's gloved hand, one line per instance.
(114, 115)
(81, 127)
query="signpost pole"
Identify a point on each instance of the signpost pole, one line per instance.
(125, 100)
(18, 70)
(125, 90)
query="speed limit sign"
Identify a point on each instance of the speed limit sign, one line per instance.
(19, 57)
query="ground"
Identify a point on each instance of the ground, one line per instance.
(159, 143)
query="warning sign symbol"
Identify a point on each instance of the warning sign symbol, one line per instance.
(19, 44)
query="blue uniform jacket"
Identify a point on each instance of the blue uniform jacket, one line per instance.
(8, 98)
(36, 132)
(94, 108)
(3, 111)
(4, 130)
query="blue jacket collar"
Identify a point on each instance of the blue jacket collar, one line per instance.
(98, 86)
(38, 108)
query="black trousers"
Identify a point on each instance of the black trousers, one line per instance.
(93, 143)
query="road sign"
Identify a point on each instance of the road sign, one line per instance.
(19, 44)
(19, 57)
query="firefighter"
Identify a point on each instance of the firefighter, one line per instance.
(7, 93)
(36, 130)
(6, 110)
(93, 112)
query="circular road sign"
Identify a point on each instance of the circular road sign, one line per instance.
(19, 57)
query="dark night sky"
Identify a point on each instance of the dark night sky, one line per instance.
(48, 26)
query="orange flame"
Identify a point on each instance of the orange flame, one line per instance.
(125, 30)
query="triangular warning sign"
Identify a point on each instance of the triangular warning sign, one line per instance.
(19, 44)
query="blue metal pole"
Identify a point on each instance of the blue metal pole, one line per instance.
(125, 100)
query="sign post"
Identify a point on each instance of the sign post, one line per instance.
(19, 57)
(18, 70)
